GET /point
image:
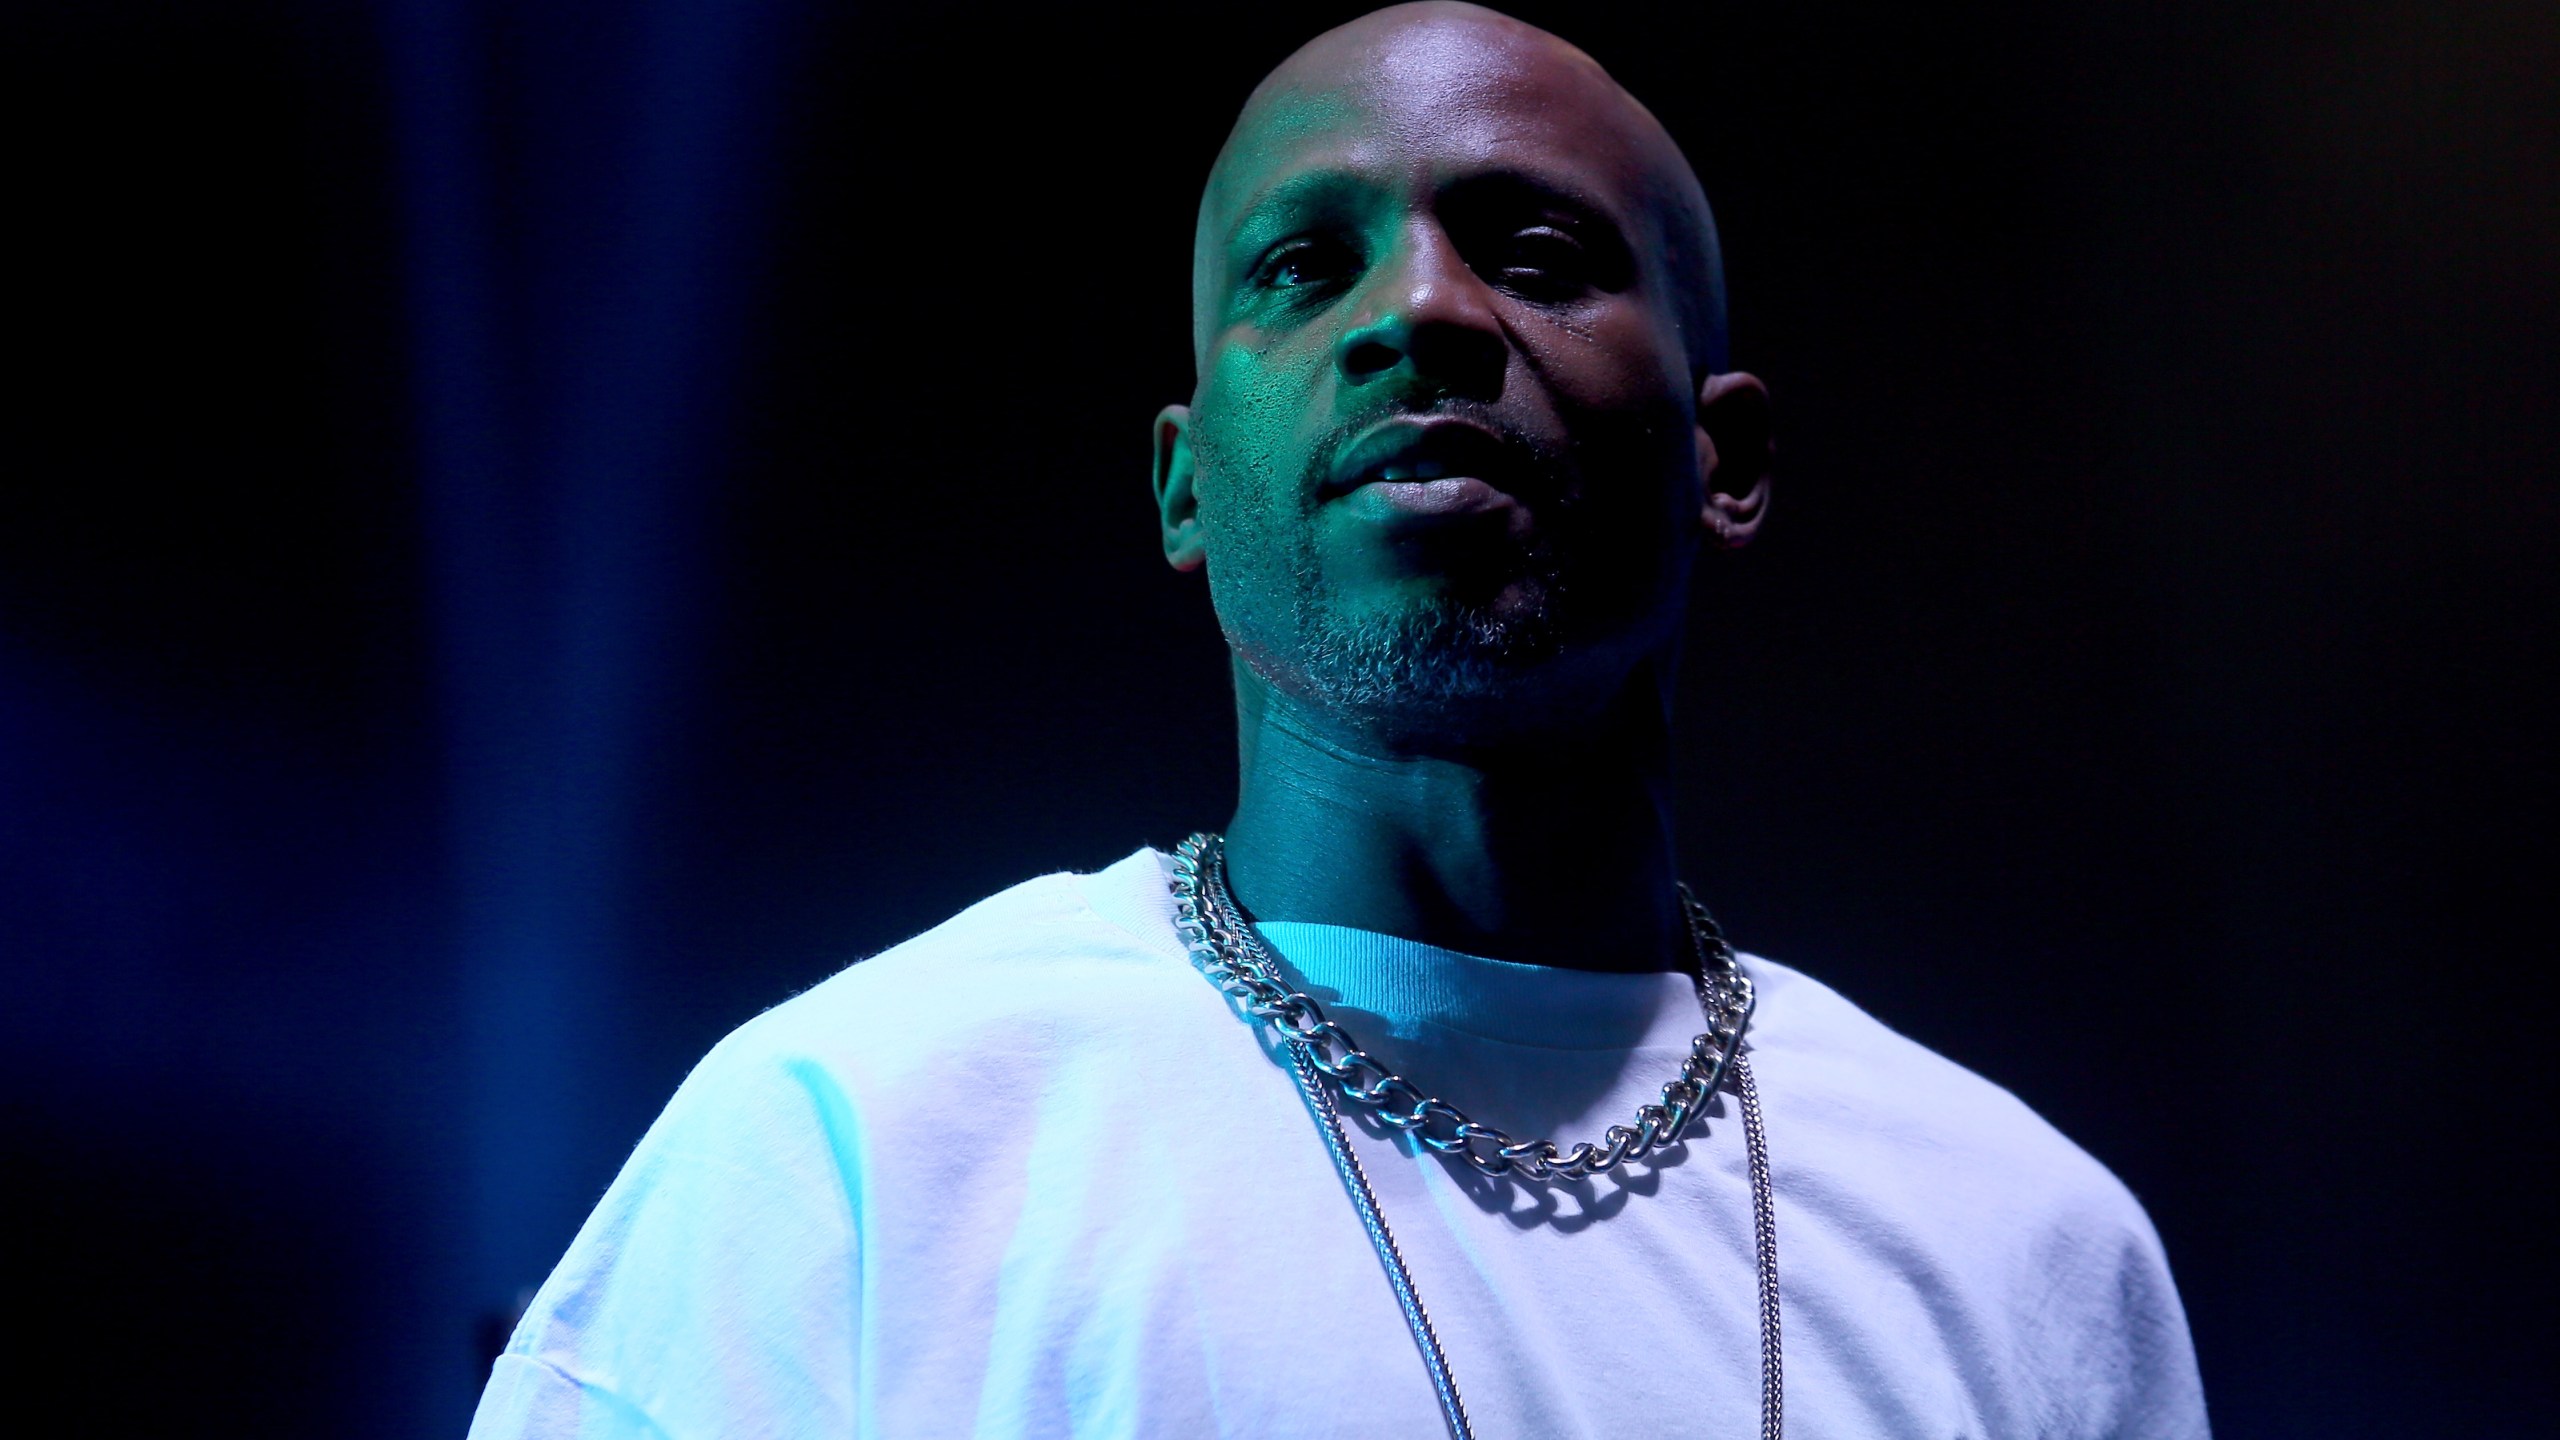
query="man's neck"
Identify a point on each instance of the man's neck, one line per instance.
(1551, 853)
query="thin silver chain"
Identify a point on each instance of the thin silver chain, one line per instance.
(1231, 953)
(1355, 1180)
(1764, 1245)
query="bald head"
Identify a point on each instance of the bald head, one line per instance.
(1460, 421)
(1468, 84)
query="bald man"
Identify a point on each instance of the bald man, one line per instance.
(1423, 1100)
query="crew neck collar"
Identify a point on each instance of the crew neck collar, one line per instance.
(1404, 987)
(1410, 986)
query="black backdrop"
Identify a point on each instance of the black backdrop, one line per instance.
(532, 532)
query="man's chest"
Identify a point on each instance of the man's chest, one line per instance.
(1223, 1284)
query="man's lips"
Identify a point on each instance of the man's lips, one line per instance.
(1415, 474)
(1427, 466)
(1399, 504)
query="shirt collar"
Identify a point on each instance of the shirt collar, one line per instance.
(1409, 986)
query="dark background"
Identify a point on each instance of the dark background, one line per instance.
(532, 532)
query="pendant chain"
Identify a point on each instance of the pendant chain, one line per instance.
(1231, 954)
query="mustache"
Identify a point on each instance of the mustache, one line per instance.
(1541, 464)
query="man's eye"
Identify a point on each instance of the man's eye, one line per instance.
(1541, 258)
(1301, 264)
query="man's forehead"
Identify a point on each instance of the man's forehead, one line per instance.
(1432, 91)
(1452, 88)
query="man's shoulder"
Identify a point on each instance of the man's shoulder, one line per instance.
(1955, 1203)
(1048, 962)
(1918, 1122)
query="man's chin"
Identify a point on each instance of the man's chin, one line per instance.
(1444, 671)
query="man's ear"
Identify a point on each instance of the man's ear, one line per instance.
(1185, 548)
(1735, 455)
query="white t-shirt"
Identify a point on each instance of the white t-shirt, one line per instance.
(1028, 1174)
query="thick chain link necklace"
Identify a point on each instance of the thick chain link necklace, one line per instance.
(1229, 951)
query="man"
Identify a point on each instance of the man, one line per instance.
(1462, 427)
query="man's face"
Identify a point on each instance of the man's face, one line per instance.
(1444, 434)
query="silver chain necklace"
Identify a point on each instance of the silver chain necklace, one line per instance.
(1229, 951)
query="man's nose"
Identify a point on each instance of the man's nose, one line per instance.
(1430, 324)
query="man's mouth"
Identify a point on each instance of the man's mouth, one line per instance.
(1414, 468)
